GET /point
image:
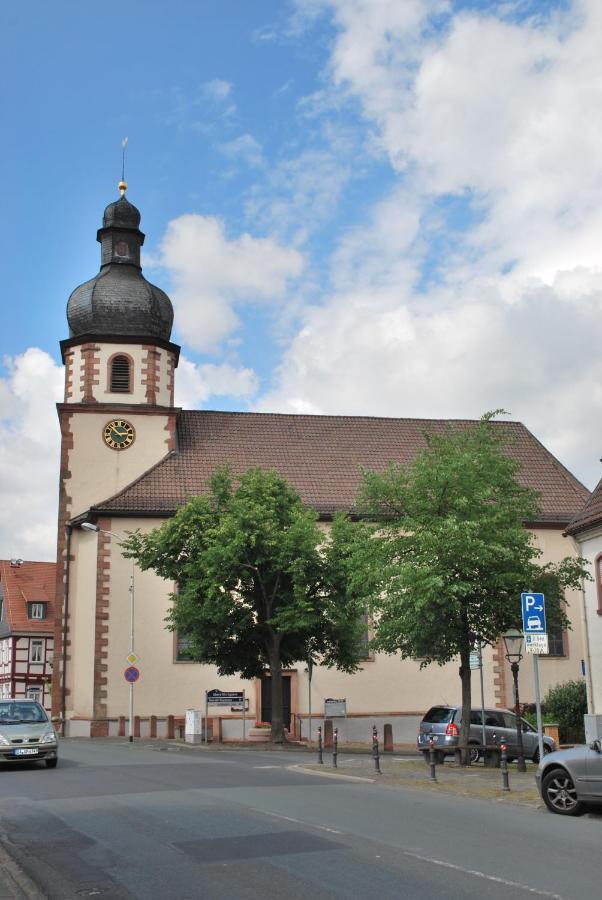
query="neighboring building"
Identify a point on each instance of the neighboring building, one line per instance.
(130, 458)
(586, 529)
(27, 618)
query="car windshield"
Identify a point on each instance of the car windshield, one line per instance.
(13, 713)
(439, 714)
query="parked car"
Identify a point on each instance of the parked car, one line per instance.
(443, 723)
(568, 779)
(26, 733)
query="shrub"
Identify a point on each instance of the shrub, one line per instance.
(566, 704)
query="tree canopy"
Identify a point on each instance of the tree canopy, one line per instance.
(451, 553)
(259, 585)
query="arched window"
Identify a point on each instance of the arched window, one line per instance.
(120, 374)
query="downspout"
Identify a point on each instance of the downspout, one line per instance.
(69, 529)
(588, 668)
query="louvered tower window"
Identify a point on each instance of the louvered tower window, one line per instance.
(120, 375)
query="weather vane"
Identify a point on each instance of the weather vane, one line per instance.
(122, 184)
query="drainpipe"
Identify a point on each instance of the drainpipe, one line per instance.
(588, 668)
(69, 530)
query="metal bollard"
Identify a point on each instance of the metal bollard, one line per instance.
(335, 741)
(432, 759)
(375, 753)
(320, 760)
(504, 763)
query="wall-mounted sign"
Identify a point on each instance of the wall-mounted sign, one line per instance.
(334, 708)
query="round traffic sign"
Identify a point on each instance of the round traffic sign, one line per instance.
(131, 674)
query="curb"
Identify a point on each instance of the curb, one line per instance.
(14, 882)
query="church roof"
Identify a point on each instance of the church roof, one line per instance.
(590, 514)
(22, 583)
(321, 457)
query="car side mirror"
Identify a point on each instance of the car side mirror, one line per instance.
(596, 745)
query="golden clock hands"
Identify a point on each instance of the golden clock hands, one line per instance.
(121, 432)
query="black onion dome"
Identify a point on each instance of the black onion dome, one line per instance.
(121, 214)
(119, 301)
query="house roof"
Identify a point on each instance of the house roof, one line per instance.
(22, 583)
(590, 514)
(322, 457)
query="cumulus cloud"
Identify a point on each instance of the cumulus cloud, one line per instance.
(195, 384)
(213, 275)
(29, 455)
(476, 282)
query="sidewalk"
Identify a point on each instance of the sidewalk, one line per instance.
(471, 781)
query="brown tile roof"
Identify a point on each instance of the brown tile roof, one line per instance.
(590, 514)
(321, 456)
(24, 583)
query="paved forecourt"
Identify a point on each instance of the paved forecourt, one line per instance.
(117, 820)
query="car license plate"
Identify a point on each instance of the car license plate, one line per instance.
(26, 751)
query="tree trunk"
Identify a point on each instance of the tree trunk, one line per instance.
(465, 676)
(277, 734)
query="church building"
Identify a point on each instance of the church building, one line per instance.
(130, 458)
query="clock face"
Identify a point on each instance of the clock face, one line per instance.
(122, 249)
(118, 434)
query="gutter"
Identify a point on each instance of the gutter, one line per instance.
(588, 668)
(69, 529)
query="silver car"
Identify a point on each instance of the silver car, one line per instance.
(569, 779)
(26, 733)
(442, 723)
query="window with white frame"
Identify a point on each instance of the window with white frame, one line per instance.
(36, 610)
(36, 650)
(34, 693)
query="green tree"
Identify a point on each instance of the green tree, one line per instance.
(259, 586)
(451, 554)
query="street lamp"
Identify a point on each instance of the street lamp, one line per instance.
(513, 641)
(89, 526)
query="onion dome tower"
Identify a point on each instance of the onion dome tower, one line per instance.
(119, 348)
(119, 301)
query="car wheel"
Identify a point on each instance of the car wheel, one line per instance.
(559, 793)
(52, 763)
(475, 753)
(546, 750)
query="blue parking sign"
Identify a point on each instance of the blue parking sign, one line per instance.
(534, 613)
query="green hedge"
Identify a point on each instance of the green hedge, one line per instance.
(566, 704)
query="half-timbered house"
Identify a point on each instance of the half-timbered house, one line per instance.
(26, 629)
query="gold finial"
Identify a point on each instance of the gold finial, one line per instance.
(123, 184)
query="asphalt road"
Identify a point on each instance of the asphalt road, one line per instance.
(119, 821)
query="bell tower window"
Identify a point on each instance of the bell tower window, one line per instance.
(120, 374)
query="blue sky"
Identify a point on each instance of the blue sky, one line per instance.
(357, 206)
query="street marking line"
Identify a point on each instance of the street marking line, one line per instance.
(296, 821)
(329, 774)
(477, 874)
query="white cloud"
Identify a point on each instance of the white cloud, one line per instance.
(195, 384)
(217, 89)
(29, 455)
(244, 148)
(213, 275)
(499, 307)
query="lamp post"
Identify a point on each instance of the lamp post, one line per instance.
(89, 526)
(513, 641)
